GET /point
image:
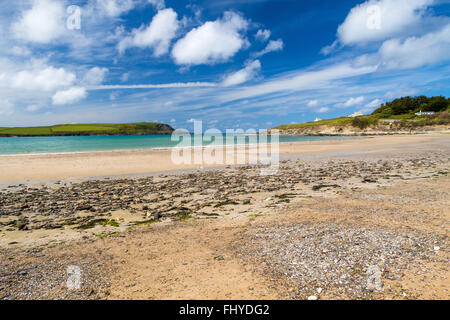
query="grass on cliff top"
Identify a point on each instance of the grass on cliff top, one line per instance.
(403, 110)
(87, 129)
(404, 120)
(331, 122)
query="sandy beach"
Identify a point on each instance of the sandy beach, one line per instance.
(365, 218)
(99, 164)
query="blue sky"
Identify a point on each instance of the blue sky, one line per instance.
(233, 64)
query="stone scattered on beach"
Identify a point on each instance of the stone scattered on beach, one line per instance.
(369, 179)
(201, 193)
(336, 256)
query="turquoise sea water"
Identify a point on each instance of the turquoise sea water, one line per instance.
(39, 145)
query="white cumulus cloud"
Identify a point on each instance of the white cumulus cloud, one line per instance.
(416, 51)
(42, 23)
(376, 20)
(157, 35)
(368, 108)
(213, 42)
(313, 103)
(46, 79)
(374, 104)
(353, 101)
(94, 76)
(115, 8)
(263, 35)
(323, 110)
(159, 4)
(69, 96)
(20, 51)
(273, 45)
(248, 73)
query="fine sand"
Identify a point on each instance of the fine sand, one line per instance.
(99, 164)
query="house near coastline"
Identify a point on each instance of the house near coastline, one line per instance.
(420, 113)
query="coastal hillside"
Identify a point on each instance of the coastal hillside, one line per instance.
(404, 115)
(96, 129)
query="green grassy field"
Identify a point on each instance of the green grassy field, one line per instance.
(337, 122)
(406, 120)
(89, 129)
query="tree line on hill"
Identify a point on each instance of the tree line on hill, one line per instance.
(405, 109)
(411, 105)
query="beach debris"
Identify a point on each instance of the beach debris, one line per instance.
(369, 179)
(80, 204)
(321, 186)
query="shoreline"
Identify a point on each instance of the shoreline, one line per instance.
(335, 138)
(312, 135)
(166, 148)
(146, 161)
(365, 134)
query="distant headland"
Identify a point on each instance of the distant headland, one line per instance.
(95, 129)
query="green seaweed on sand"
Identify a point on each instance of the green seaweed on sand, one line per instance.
(106, 234)
(226, 203)
(146, 222)
(254, 216)
(321, 186)
(103, 222)
(285, 197)
(183, 215)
